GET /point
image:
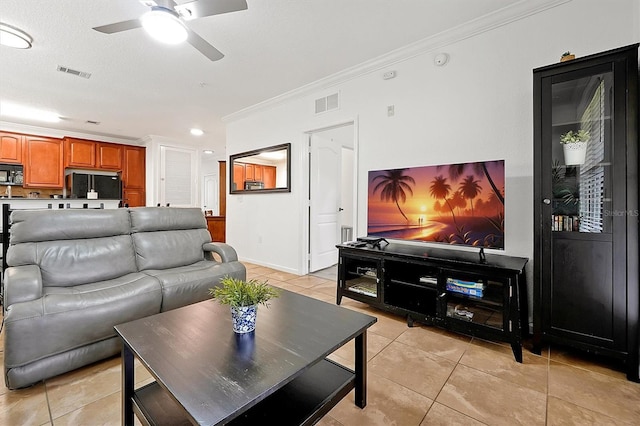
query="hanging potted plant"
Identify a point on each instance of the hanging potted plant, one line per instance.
(574, 145)
(243, 297)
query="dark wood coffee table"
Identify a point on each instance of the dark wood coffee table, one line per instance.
(206, 374)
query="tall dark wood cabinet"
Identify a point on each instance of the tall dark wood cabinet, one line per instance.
(586, 206)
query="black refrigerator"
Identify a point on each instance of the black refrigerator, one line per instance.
(107, 186)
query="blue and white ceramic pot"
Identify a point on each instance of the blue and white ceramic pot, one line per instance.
(244, 318)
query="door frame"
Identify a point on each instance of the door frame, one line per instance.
(305, 139)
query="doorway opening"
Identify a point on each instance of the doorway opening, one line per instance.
(332, 199)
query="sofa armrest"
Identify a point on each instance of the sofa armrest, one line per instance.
(226, 252)
(21, 284)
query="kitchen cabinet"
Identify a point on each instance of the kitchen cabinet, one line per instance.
(109, 156)
(238, 177)
(216, 226)
(586, 292)
(11, 147)
(134, 175)
(243, 172)
(269, 177)
(43, 162)
(87, 154)
(80, 153)
(134, 197)
(249, 172)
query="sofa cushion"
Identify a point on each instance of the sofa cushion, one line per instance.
(168, 237)
(74, 262)
(188, 284)
(68, 224)
(148, 219)
(66, 318)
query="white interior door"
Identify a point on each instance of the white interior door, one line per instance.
(210, 195)
(324, 217)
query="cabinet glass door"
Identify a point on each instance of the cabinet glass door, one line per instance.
(581, 134)
(475, 299)
(360, 277)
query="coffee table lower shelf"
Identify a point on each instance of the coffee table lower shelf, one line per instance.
(301, 402)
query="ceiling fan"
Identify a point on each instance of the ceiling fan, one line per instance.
(166, 21)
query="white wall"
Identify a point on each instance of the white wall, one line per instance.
(477, 107)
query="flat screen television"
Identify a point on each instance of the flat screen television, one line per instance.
(459, 204)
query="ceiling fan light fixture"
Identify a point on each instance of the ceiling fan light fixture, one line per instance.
(164, 25)
(13, 37)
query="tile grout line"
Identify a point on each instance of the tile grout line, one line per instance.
(546, 406)
(46, 396)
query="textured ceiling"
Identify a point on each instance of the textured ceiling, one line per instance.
(139, 87)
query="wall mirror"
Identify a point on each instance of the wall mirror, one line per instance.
(261, 170)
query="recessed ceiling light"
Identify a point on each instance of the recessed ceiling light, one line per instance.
(13, 37)
(208, 151)
(164, 25)
(20, 111)
(197, 132)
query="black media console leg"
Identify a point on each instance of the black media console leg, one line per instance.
(409, 321)
(536, 344)
(517, 351)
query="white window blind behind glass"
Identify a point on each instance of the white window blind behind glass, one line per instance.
(592, 173)
(177, 180)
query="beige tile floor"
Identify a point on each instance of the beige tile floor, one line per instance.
(417, 376)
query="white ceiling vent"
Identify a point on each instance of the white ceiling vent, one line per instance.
(327, 103)
(74, 72)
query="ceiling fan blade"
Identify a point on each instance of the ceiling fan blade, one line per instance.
(203, 46)
(119, 26)
(201, 8)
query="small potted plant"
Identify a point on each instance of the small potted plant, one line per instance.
(574, 145)
(243, 297)
(567, 56)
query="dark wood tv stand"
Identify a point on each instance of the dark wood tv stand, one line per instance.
(459, 290)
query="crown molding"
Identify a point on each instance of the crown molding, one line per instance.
(515, 12)
(61, 133)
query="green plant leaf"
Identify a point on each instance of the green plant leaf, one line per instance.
(236, 292)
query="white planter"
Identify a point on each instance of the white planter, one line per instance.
(574, 153)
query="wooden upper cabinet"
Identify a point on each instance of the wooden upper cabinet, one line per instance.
(43, 162)
(133, 172)
(257, 172)
(109, 156)
(87, 154)
(249, 172)
(269, 177)
(237, 183)
(11, 147)
(80, 153)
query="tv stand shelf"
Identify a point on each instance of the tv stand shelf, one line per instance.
(463, 291)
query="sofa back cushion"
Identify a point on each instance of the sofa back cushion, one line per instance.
(167, 237)
(72, 247)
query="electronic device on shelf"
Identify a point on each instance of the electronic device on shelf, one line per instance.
(373, 241)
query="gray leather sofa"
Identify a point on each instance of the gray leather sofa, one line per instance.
(75, 274)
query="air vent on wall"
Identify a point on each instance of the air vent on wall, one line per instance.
(327, 103)
(74, 72)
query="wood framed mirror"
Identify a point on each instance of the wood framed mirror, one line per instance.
(262, 170)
